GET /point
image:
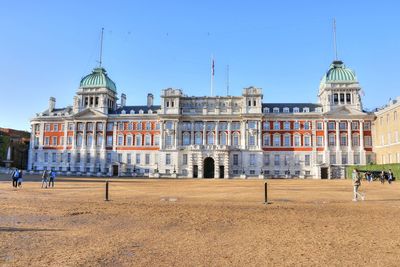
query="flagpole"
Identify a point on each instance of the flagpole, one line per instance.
(212, 75)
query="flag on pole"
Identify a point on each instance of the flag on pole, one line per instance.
(212, 67)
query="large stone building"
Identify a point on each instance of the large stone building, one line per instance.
(386, 130)
(204, 137)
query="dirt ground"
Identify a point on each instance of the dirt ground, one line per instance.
(198, 223)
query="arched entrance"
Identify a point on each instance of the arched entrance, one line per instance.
(209, 167)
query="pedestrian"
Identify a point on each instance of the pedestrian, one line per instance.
(45, 175)
(390, 176)
(369, 175)
(52, 177)
(19, 180)
(356, 185)
(14, 176)
(382, 177)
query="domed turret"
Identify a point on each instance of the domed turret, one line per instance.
(338, 73)
(98, 79)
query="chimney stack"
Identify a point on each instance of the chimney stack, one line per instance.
(123, 100)
(150, 98)
(52, 104)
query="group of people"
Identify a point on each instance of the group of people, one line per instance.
(16, 177)
(48, 178)
(382, 176)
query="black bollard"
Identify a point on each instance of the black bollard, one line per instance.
(106, 198)
(266, 193)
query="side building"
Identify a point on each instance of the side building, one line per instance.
(205, 137)
(386, 130)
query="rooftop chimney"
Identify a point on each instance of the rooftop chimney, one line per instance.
(52, 104)
(123, 100)
(150, 98)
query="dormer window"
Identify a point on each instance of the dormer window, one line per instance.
(141, 111)
(306, 110)
(150, 111)
(132, 111)
(266, 110)
(123, 112)
(276, 110)
(296, 110)
(286, 110)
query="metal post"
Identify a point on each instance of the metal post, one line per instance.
(266, 193)
(106, 198)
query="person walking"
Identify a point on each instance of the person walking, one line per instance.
(356, 185)
(382, 177)
(45, 175)
(390, 176)
(14, 176)
(52, 177)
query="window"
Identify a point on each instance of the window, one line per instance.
(356, 158)
(78, 157)
(343, 140)
(156, 140)
(129, 140)
(139, 126)
(354, 125)
(277, 140)
(222, 140)
(235, 159)
(147, 159)
(54, 157)
(108, 157)
(186, 139)
(80, 126)
(46, 157)
(331, 140)
(297, 142)
(266, 140)
(54, 141)
(99, 141)
(296, 110)
(88, 157)
(266, 159)
(395, 115)
(319, 125)
(120, 140)
(147, 140)
(110, 126)
(89, 140)
(307, 161)
(130, 126)
(109, 140)
(307, 125)
(367, 125)
(210, 138)
(100, 126)
(70, 126)
(252, 124)
(332, 158)
(331, 125)
(320, 159)
(285, 110)
(47, 127)
(286, 140)
(167, 159)
(252, 160)
(344, 158)
(307, 140)
(36, 157)
(198, 140)
(55, 127)
(277, 125)
(252, 140)
(348, 98)
(235, 139)
(266, 125)
(138, 140)
(320, 140)
(286, 125)
(138, 158)
(235, 125)
(355, 140)
(342, 125)
(121, 126)
(185, 159)
(296, 125)
(89, 126)
(79, 140)
(277, 160)
(276, 110)
(129, 158)
(306, 110)
(210, 126)
(69, 157)
(266, 110)
(148, 126)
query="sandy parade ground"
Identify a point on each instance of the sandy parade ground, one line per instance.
(198, 223)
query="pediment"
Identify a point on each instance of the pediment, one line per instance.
(89, 114)
(344, 111)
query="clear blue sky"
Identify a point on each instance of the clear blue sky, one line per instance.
(46, 47)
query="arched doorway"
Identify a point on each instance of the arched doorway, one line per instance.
(209, 167)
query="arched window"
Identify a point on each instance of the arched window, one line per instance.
(235, 139)
(307, 140)
(147, 140)
(222, 139)
(130, 126)
(138, 140)
(129, 140)
(120, 140)
(210, 138)
(297, 142)
(186, 139)
(266, 140)
(277, 140)
(198, 140)
(139, 125)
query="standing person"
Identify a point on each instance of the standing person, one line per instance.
(19, 180)
(14, 176)
(45, 175)
(390, 176)
(382, 177)
(356, 185)
(52, 177)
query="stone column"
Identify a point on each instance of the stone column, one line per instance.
(229, 141)
(177, 134)
(216, 133)
(362, 149)
(161, 135)
(192, 133)
(243, 134)
(259, 134)
(200, 166)
(204, 133)
(216, 166)
(190, 165)
(227, 166)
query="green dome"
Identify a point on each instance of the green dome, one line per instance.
(339, 73)
(98, 79)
